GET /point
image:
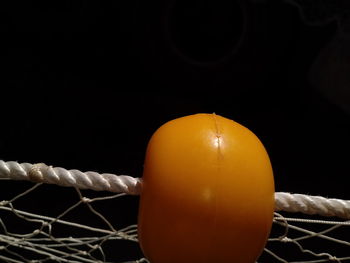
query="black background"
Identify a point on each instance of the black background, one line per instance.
(85, 84)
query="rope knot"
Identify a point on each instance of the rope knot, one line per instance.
(35, 173)
(4, 202)
(286, 240)
(85, 200)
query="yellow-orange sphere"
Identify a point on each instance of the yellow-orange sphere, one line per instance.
(207, 193)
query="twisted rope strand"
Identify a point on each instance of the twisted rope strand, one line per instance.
(129, 185)
(311, 205)
(42, 173)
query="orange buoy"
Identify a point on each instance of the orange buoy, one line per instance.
(207, 194)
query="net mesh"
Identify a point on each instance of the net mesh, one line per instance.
(48, 223)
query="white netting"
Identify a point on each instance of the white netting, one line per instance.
(73, 232)
(47, 223)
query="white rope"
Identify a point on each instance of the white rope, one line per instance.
(42, 173)
(311, 205)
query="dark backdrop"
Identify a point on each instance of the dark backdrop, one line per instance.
(85, 84)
